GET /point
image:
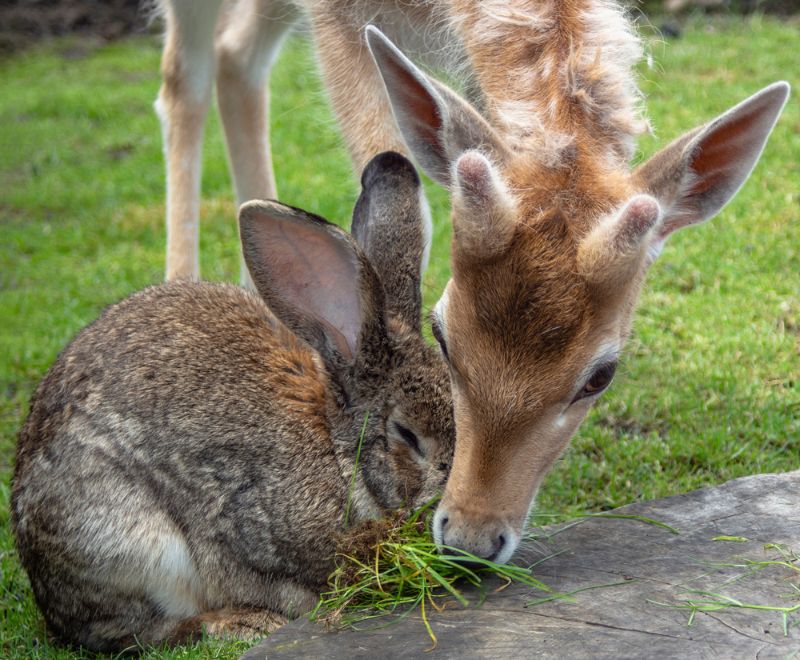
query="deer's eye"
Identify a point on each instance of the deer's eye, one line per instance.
(439, 337)
(409, 436)
(598, 381)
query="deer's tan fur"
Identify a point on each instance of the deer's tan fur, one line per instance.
(556, 73)
(542, 68)
(552, 235)
(552, 231)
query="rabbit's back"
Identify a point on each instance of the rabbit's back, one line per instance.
(184, 407)
(182, 369)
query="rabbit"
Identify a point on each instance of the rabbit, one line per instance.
(187, 461)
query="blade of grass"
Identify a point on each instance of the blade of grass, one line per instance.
(446, 584)
(355, 470)
(625, 516)
(569, 594)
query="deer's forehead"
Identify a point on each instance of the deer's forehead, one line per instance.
(528, 303)
(531, 310)
(578, 192)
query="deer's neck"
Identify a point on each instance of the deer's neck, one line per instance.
(557, 75)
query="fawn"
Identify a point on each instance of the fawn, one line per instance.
(553, 230)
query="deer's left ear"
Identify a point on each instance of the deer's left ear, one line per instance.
(436, 123)
(696, 175)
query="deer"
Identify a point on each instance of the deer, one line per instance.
(553, 228)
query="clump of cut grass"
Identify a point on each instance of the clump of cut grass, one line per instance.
(392, 564)
(389, 565)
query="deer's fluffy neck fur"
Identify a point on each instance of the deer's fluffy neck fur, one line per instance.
(556, 74)
(552, 74)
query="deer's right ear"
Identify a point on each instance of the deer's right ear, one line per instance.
(436, 123)
(314, 278)
(696, 175)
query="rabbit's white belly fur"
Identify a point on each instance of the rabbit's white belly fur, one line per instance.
(153, 558)
(175, 584)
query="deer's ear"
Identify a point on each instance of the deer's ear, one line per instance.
(436, 123)
(696, 175)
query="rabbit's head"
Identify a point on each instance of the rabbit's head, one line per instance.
(356, 300)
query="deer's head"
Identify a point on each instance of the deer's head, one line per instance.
(548, 260)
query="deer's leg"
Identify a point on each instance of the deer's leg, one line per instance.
(355, 89)
(358, 97)
(187, 68)
(246, 50)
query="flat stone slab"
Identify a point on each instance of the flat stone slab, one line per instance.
(649, 568)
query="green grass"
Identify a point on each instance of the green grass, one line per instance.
(393, 566)
(713, 601)
(710, 386)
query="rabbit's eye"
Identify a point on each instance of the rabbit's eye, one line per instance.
(439, 337)
(409, 436)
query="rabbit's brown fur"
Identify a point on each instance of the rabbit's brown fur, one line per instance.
(187, 460)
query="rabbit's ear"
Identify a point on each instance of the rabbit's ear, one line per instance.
(392, 224)
(314, 278)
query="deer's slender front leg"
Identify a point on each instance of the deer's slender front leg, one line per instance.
(246, 50)
(187, 68)
(355, 89)
(359, 100)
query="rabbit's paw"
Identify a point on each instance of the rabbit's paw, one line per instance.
(242, 624)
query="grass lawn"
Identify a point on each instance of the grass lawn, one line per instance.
(709, 388)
